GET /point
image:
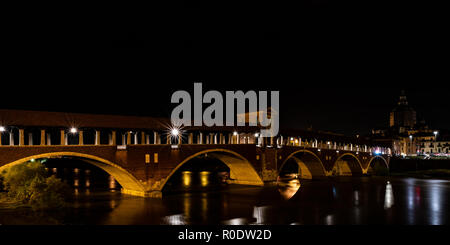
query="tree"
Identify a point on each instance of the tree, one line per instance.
(29, 183)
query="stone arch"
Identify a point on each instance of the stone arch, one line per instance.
(372, 161)
(309, 164)
(128, 182)
(241, 170)
(347, 165)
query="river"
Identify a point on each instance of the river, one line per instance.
(340, 200)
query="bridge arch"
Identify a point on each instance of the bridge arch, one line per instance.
(347, 164)
(128, 182)
(374, 165)
(241, 170)
(309, 164)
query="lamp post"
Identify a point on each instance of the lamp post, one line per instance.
(435, 141)
(175, 132)
(411, 143)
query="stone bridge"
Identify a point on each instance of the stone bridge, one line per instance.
(145, 169)
(142, 154)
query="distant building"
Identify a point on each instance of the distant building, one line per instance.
(405, 136)
(403, 116)
(438, 146)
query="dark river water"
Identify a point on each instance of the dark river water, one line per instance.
(343, 200)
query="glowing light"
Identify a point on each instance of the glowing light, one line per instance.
(256, 135)
(2, 129)
(235, 133)
(187, 178)
(435, 133)
(112, 182)
(73, 130)
(204, 176)
(175, 132)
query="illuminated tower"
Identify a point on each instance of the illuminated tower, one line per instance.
(403, 115)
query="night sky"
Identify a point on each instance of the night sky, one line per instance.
(338, 67)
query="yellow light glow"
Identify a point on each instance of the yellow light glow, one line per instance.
(112, 183)
(187, 178)
(204, 178)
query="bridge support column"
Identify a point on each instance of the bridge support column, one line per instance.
(191, 138)
(62, 137)
(221, 139)
(97, 137)
(215, 139)
(142, 138)
(156, 139)
(42, 136)
(136, 138)
(200, 137)
(11, 138)
(147, 139)
(80, 138)
(112, 139)
(49, 139)
(21, 137)
(128, 142)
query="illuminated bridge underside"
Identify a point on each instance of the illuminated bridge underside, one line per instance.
(143, 170)
(347, 165)
(128, 182)
(241, 171)
(309, 167)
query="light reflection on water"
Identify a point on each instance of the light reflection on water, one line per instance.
(348, 200)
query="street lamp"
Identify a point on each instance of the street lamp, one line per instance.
(2, 129)
(175, 132)
(73, 130)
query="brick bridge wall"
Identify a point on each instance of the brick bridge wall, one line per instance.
(139, 160)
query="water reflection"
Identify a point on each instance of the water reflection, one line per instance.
(329, 202)
(389, 196)
(288, 186)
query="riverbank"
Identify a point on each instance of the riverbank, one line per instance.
(425, 174)
(9, 203)
(13, 212)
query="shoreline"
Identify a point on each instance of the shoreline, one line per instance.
(443, 174)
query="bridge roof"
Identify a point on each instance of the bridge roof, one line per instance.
(63, 119)
(22, 118)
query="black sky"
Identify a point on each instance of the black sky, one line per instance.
(339, 66)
